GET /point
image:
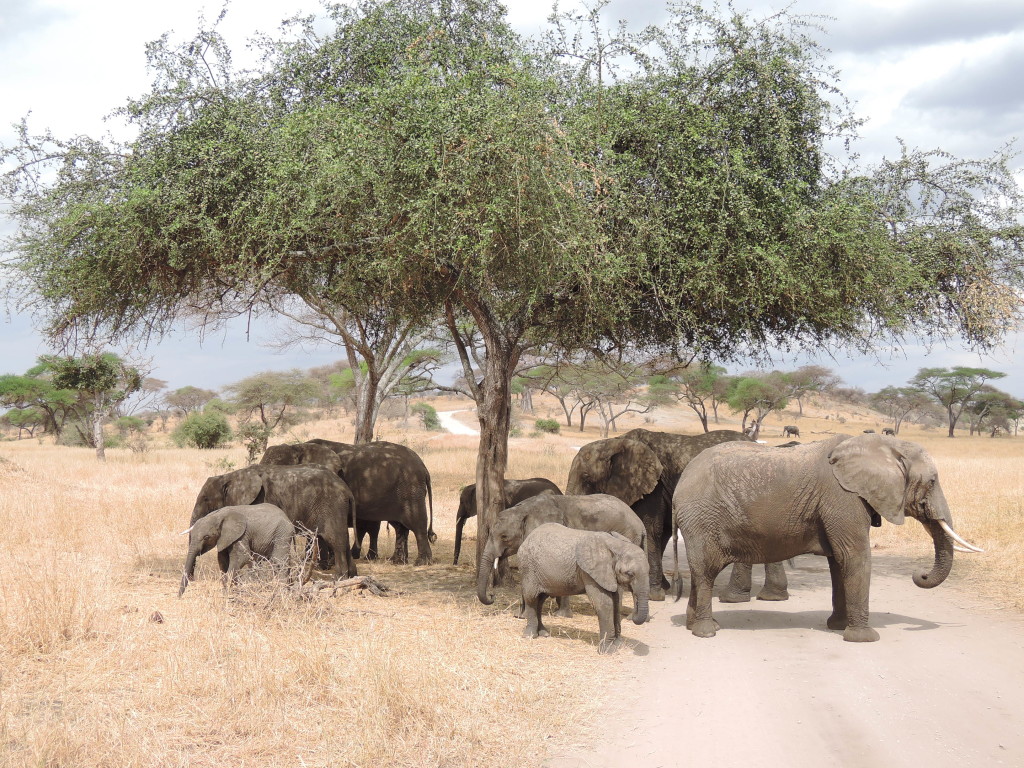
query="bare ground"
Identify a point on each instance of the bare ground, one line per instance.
(943, 687)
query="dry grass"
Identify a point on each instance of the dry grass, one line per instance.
(101, 664)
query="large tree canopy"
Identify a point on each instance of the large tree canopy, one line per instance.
(669, 189)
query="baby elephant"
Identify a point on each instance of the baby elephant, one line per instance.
(239, 533)
(558, 561)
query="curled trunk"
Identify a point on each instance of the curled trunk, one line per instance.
(190, 569)
(483, 576)
(458, 539)
(640, 610)
(943, 557)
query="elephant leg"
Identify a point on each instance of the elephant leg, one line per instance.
(335, 532)
(855, 569)
(700, 620)
(238, 558)
(325, 560)
(838, 618)
(503, 573)
(650, 510)
(740, 580)
(424, 556)
(776, 585)
(604, 606)
(534, 603)
(372, 553)
(564, 609)
(617, 613)
(280, 559)
(401, 553)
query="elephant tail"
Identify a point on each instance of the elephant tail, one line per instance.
(431, 536)
(677, 579)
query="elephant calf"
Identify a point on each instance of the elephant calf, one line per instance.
(557, 561)
(240, 533)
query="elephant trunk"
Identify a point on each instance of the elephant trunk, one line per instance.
(943, 557)
(640, 609)
(190, 568)
(483, 575)
(458, 537)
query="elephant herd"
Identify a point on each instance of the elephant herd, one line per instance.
(732, 501)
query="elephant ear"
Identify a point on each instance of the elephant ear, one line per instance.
(597, 560)
(869, 467)
(242, 488)
(633, 470)
(231, 530)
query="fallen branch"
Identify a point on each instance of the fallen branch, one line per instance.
(370, 584)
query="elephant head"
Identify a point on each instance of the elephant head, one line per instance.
(613, 562)
(506, 534)
(624, 468)
(241, 487)
(896, 478)
(221, 529)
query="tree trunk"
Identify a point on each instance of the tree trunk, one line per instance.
(366, 410)
(494, 412)
(97, 428)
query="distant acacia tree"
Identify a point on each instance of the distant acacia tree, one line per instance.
(953, 388)
(810, 378)
(24, 420)
(993, 410)
(699, 387)
(898, 403)
(759, 394)
(35, 390)
(102, 381)
(189, 399)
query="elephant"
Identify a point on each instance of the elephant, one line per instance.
(315, 499)
(791, 431)
(642, 468)
(515, 491)
(558, 561)
(597, 512)
(240, 532)
(754, 504)
(390, 483)
(889, 431)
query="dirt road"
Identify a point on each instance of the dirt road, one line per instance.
(943, 687)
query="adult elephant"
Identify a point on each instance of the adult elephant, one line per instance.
(515, 491)
(390, 483)
(753, 504)
(642, 468)
(790, 431)
(314, 499)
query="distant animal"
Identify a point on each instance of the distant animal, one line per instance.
(556, 561)
(889, 431)
(515, 491)
(791, 431)
(869, 431)
(240, 533)
(790, 444)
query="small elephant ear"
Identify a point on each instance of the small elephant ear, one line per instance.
(869, 467)
(634, 470)
(242, 487)
(231, 530)
(597, 561)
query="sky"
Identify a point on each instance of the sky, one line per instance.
(935, 73)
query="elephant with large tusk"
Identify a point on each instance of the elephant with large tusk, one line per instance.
(747, 503)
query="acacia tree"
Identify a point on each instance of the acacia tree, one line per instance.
(419, 152)
(759, 394)
(35, 390)
(898, 403)
(953, 388)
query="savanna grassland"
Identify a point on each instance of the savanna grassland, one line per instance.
(102, 664)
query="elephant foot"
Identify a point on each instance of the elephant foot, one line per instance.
(564, 612)
(424, 560)
(397, 559)
(735, 597)
(532, 632)
(837, 622)
(371, 554)
(657, 593)
(705, 627)
(772, 594)
(860, 635)
(609, 646)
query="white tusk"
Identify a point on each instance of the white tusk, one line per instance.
(953, 535)
(187, 530)
(958, 548)
(495, 563)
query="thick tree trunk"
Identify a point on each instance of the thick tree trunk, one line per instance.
(97, 428)
(494, 411)
(366, 411)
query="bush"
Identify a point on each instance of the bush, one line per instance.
(129, 425)
(547, 425)
(255, 437)
(202, 430)
(428, 415)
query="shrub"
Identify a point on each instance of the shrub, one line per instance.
(428, 415)
(128, 425)
(202, 430)
(547, 425)
(255, 437)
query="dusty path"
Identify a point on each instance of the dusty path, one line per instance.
(453, 425)
(943, 687)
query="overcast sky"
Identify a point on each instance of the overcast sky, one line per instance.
(936, 73)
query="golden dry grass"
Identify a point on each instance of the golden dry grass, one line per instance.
(101, 664)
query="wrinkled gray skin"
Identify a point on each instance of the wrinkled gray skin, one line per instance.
(754, 504)
(240, 533)
(312, 497)
(557, 561)
(790, 431)
(390, 483)
(642, 468)
(313, 453)
(515, 491)
(597, 512)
